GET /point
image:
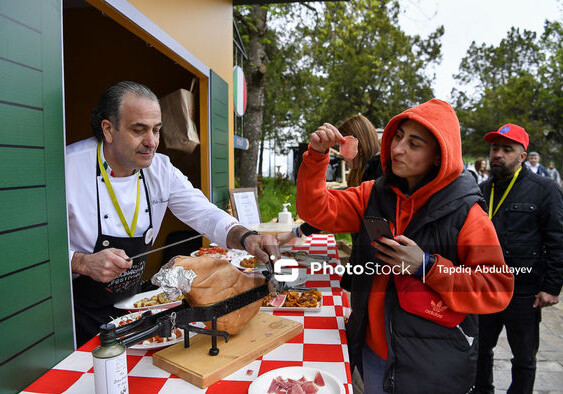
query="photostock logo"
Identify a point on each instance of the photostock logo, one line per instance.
(285, 276)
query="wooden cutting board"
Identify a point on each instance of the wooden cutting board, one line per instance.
(262, 334)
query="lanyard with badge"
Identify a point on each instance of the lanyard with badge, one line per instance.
(130, 230)
(491, 212)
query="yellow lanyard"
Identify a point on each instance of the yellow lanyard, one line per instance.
(491, 213)
(130, 231)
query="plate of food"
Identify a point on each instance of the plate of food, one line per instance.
(155, 342)
(295, 301)
(239, 258)
(248, 262)
(148, 300)
(212, 251)
(309, 380)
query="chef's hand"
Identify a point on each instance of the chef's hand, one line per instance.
(261, 246)
(544, 299)
(400, 251)
(103, 266)
(326, 136)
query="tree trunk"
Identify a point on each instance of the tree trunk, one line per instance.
(261, 155)
(255, 96)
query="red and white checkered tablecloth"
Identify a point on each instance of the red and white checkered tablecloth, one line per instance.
(321, 345)
(323, 244)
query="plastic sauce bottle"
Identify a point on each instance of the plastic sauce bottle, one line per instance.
(110, 364)
(285, 215)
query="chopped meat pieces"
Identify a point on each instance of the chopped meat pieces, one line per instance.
(278, 300)
(308, 299)
(319, 381)
(280, 385)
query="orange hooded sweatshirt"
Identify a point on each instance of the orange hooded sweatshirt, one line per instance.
(339, 211)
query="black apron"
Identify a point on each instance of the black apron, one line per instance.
(93, 301)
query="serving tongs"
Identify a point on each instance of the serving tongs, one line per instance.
(181, 316)
(278, 287)
(304, 254)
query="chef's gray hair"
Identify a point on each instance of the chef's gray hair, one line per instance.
(111, 101)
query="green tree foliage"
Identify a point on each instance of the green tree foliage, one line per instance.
(327, 61)
(519, 81)
(365, 63)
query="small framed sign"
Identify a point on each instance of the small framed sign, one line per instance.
(245, 205)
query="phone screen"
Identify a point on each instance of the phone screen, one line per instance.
(377, 227)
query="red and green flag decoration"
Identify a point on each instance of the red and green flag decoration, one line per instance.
(239, 90)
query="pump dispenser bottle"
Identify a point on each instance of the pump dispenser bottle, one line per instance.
(110, 363)
(285, 215)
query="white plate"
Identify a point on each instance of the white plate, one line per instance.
(301, 278)
(263, 382)
(292, 308)
(237, 260)
(155, 345)
(234, 256)
(129, 303)
(217, 255)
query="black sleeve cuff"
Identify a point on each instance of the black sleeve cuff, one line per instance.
(428, 263)
(307, 229)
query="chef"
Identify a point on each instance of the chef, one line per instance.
(118, 190)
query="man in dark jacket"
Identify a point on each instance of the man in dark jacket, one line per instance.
(533, 163)
(527, 212)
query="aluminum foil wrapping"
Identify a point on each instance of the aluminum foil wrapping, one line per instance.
(175, 281)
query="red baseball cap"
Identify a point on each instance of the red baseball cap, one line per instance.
(512, 132)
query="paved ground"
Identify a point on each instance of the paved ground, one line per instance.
(549, 376)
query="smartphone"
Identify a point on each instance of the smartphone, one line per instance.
(377, 227)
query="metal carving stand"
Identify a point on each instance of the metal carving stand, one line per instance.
(162, 323)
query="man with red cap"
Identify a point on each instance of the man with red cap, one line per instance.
(527, 212)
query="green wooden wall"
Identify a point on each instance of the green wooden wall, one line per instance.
(219, 141)
(35, 312)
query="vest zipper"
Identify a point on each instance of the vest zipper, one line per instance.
(392, 377)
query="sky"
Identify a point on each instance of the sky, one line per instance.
(482, 21)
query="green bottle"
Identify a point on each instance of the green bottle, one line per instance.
(110, 363)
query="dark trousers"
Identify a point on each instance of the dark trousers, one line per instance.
(374, 371)
(522, 322)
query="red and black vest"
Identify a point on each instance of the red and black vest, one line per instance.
(423, 356)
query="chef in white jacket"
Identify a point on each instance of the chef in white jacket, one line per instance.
(118, 189)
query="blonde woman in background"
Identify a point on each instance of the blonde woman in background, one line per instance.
(366, 165)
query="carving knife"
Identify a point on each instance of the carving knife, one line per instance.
(164, 247)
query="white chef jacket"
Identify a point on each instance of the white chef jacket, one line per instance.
(167, 188)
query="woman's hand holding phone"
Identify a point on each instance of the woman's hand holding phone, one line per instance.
(395, 251)
(401, 251)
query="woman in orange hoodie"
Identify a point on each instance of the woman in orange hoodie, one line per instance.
(416, 333)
